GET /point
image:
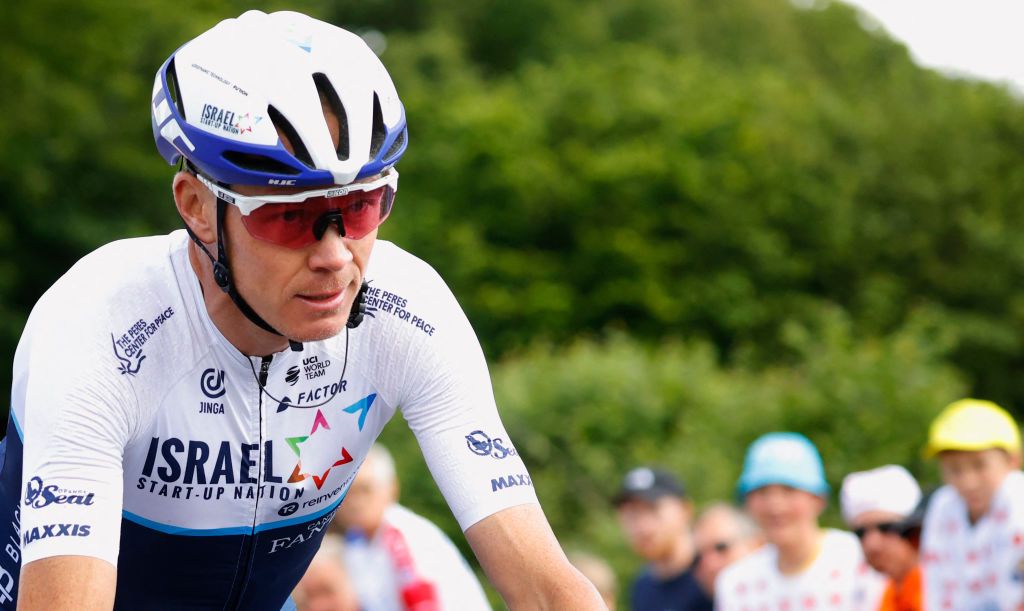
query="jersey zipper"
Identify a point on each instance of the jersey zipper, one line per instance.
(249, 551)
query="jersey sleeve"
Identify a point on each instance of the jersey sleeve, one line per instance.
(74, 421)
(446, 397)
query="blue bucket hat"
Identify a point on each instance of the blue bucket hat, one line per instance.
(789, 459)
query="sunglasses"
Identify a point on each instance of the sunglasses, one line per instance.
(719, 548)
(886, 528)
(300, 219)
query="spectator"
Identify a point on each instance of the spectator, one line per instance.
(600, 574)
(655, 514)
(397, 559)
(877, 505)
(973, 542)
(723, 535)
(325, 585)
(802, 566)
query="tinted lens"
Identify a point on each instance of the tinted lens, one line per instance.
(884, 527)
(291, 225)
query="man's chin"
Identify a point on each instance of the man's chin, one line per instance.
(319, 330)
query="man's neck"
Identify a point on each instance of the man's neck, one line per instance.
(797, 555)
(249, 339)
(679, 560)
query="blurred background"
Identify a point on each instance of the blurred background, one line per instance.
(675, 224)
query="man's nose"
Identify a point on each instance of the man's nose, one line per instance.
(330, 251)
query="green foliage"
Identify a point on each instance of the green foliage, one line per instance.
(675, 224)
(582, 415)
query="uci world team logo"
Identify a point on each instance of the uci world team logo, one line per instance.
(212, 383)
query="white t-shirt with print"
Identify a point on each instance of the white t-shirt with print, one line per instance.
(837, 580)
(979, 567)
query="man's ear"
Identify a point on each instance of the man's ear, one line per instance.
(196, 205)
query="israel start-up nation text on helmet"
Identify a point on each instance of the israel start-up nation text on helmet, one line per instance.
(221, 98)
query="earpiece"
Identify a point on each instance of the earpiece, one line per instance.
(358, 307)
(221, 275)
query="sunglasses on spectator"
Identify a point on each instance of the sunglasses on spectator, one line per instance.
(297, 220)
(886, 528)
(719, 547)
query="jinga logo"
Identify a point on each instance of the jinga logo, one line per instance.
(212, 383)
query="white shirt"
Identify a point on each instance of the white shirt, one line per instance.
(976, 567)
(837, 580)
(435, 560)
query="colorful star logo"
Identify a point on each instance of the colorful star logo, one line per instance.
(316, 456)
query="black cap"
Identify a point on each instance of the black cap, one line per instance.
(649, 484)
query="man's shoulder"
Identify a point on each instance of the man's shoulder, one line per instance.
(109, 305)
(125, 269)
(406, 295)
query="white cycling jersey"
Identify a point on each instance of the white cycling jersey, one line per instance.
(139, 435)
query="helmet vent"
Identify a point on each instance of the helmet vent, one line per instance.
(172, 88)
(330, 96)
(396, 146)
(286, 128)
(259, 163)
(380, 131)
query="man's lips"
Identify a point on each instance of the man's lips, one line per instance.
(325, 300)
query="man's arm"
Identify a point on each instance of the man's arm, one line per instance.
(525, 563)
(67, 583)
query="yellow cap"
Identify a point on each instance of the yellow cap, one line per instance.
(973, 425)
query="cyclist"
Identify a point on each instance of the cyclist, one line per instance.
(188, 410)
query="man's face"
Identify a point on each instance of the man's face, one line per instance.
(305, 293)
(719, 543)
(365, 502)
(654, 527)
(325, 587)
(884, 549)
(977, 476)
(783, 513)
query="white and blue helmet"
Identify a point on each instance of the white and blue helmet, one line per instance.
(219, 101)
